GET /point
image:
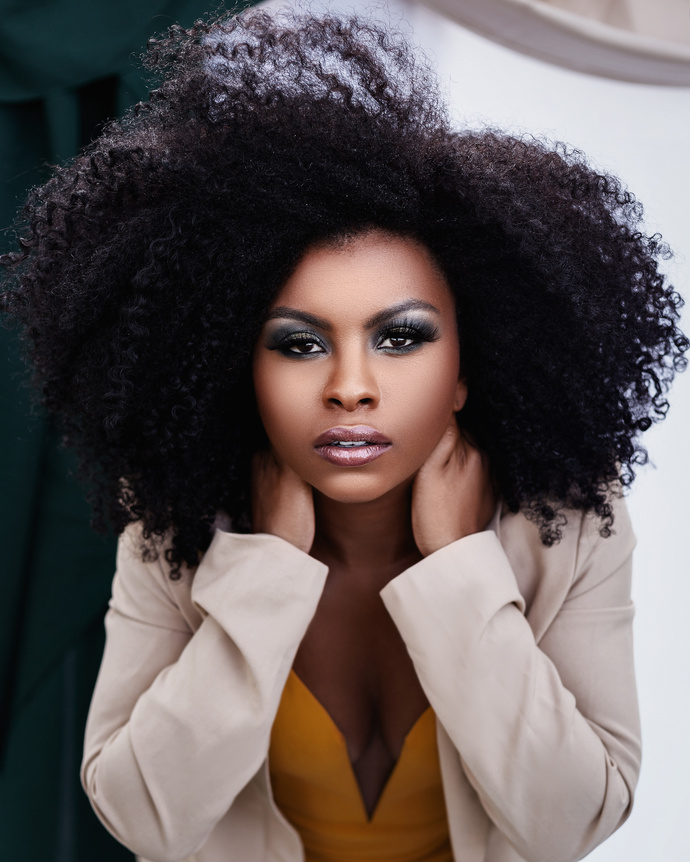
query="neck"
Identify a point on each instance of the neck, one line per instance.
(374, 537)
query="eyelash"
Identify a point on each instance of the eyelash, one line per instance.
(297, 339)
(418, 332)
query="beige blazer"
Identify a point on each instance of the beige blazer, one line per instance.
(524, 652)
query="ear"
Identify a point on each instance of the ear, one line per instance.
(460, 395)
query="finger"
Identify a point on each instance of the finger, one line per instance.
(258, 462)
(266, 462)
(261, 465)
(446, 446)
(472, 452)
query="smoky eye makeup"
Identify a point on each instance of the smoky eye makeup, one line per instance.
(397, 335)
(401, 335)
(291, 339)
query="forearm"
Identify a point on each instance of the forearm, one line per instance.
(548, 775)
(165, 758)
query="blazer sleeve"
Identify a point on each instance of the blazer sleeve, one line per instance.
(548, 733)
(180, 721)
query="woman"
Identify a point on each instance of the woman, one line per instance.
(361, 393)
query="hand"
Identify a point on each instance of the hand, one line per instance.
(282, 502)
(452, 494)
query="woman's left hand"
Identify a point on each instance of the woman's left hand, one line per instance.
(452, 495)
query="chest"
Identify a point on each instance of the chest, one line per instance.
(354, 662)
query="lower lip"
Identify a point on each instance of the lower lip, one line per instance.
(352, 457)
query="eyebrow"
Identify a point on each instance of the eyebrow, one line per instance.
(285, 312)
(400, 308)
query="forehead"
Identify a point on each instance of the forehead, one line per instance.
(363, 275)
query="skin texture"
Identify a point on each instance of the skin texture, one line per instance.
(349, 376)
(368, 523)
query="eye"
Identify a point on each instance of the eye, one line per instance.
(304, 347)
(397, 340)
(300, 344)
(403, 337)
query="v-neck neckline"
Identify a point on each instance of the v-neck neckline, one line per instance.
(341, 735)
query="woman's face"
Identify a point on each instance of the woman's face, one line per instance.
(356, 369)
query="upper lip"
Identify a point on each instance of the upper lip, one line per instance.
(350, 434)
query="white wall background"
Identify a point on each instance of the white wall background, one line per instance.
(642, 134)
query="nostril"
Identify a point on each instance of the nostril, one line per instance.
(347, 404)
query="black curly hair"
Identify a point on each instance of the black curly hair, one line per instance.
(146, 267)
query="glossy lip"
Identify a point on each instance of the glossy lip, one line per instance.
(351, 434)
(378, 444)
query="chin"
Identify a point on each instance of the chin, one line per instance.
(358, 489)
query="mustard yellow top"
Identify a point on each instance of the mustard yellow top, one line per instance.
(316, 789)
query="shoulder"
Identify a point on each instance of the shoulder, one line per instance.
(583, 561)
(235, 566)
(143, 588)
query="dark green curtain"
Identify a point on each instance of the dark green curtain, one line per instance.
(66, 66)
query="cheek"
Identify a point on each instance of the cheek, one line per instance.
(429, 396)
(280, 402)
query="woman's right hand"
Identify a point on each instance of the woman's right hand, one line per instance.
(282, 502)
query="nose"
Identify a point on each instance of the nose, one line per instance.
(351, 382)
